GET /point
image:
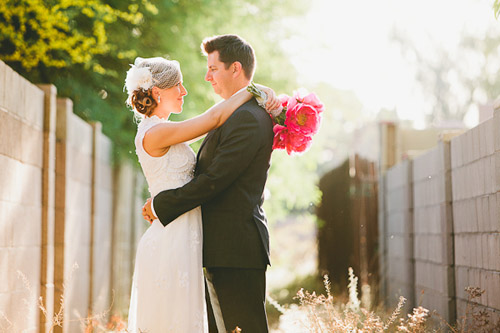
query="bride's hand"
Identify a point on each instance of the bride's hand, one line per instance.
(273, 102)
(147, 212)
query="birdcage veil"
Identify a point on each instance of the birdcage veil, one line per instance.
(148, 72)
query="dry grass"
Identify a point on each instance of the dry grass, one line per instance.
(93, 323)
(322, 313)
(474, 318)
(318, 313)
(315, 313)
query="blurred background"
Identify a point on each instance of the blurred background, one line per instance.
(396, 78)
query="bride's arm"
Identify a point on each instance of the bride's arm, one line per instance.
(159, 138)
(196, 139)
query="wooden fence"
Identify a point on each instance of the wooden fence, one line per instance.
(348, 233)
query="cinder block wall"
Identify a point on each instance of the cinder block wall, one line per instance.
(475, 162)
(382, 238)
(452, 223)
(102, 226)
(21, 162)
(399, 233)
(129, 191)
(59, 206)
(433, 231)
(139, 193)
(74, 179)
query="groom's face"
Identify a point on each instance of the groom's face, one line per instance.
(221, 78)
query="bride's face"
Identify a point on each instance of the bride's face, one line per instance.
(171, 99)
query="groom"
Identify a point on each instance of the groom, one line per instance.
(229, 181)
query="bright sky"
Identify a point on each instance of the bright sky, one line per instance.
(348, 44)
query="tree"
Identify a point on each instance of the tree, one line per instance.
(59, 33)
(457, 81)
(84, 48)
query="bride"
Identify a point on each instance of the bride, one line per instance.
(168, 293)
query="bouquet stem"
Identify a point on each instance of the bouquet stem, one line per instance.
(277, 115)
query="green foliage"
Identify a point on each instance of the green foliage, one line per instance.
(85, 47)
(496, 8)
(58, 33)
(292, 184)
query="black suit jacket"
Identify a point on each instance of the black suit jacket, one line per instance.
(230, 176)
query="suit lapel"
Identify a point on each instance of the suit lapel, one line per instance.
(204, 142)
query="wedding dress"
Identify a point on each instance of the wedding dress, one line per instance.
(168, 293)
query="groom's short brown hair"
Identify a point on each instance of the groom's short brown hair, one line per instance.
(231, 48)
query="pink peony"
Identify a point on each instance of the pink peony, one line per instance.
(298, 143)
(280, 135)
(285, 100)
(302, 118)
(291, 141)
(298, 122)
(310, 99)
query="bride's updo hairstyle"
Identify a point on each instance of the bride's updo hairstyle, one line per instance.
(145, 74)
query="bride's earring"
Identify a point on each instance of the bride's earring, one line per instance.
(159, 99)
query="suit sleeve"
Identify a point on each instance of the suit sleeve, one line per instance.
(239, 143)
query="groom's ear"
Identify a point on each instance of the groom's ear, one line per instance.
(236, 68)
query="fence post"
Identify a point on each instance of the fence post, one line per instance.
(64, 108)
(433, 231)
(48, 205)
(96, 129)
(496, 129)
(100, 289)
(388, 154)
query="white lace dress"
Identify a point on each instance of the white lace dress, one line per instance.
(168, 293)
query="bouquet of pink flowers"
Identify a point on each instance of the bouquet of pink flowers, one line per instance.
(296, 122)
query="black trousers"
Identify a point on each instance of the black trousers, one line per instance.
(236, 298)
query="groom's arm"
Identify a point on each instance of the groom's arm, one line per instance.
(239, 143)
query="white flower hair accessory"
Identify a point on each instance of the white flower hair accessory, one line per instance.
(138, 77)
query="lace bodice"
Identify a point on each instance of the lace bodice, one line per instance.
(172, 170)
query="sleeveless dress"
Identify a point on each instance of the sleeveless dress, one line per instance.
(168, 293)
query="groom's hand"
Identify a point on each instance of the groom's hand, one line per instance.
(147, 212)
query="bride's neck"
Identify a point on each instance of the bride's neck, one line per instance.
(160, 114)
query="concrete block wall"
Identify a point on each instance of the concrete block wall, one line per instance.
(383, 238)
(75, 141)
(102, 224)
(124, 235)
(21, 164)
(399, 233)
(475, 162)
(141, 187)
(58, 202)
(433, 231)
(453, 222)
